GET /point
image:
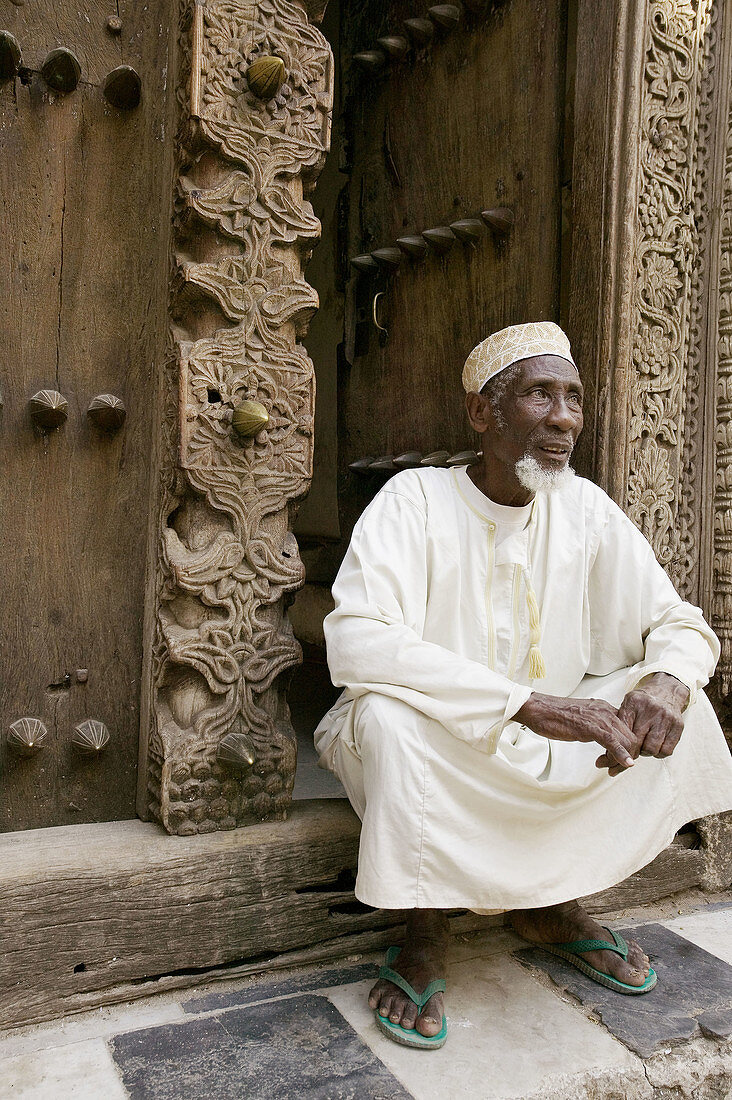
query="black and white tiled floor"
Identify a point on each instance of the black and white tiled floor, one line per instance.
(513, 1030)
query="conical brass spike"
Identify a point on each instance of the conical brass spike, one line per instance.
(394, 46)
(436, 458)
(408, 461)
(366, 264)
(26, 736)
(107, 412)
(499, 220)
(362, 465)
(249, 418)
(90, 737)
(123, 88)
(384, 464)
(463, 458)
(10, 56)
(49, 408)
(444, 16)
(468, 230)
(442, 238)
(61, 70)
(388, 258)
(265, 77)
(419, 30)
(416, 247)
(371, 60)
(237, 750)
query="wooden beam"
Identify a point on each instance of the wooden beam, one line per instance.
(98, 914)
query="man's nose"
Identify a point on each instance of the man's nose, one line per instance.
(562, 415)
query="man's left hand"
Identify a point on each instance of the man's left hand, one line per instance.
(653, 713)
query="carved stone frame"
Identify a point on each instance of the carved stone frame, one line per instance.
(219, 750)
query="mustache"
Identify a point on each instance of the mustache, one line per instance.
(554, 441)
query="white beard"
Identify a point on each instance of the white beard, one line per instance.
(538, 480)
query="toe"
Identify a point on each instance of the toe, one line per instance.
(409, 1016)
(638, 960)
(429, 1021)
(386, 1005)
(624, 971)
(398, 1005)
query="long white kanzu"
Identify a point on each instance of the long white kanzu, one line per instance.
(497, 629)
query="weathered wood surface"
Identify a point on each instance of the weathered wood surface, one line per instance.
(85, 192)
(610, 39)
(649, 295)
(219, 644)
(100, 913)
(472, 122)
(44, 25)
(680, 867)
(89, 907)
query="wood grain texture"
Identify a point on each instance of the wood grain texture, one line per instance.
(85, 193)
(680, 867)
(95, 914)
(45, 25)
(471, 123)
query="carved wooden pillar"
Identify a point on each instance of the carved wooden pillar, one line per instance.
(652, 102)
(650, 313)
(220, 750)
(720, 414)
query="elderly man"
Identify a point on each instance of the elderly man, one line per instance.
(522, 722)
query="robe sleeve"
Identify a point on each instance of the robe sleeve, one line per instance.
(374, 635)
(638, 619)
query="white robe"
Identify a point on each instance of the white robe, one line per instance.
(430, 636)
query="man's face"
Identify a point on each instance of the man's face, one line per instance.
(541, 413)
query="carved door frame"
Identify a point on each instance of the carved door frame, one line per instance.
(649, 315)
(217, 749)
(650, 310)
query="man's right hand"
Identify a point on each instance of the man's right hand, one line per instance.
(579, 720)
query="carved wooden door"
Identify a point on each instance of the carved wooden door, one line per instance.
(452, 137)
(83, 284)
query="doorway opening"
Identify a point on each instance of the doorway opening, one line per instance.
(445, 185)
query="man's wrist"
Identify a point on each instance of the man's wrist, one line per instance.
(662, 685)
(531, 709)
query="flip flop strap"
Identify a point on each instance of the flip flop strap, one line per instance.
(578, 947)
(420, 999)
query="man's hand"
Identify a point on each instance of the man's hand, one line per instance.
(581, 720)
(653, 713)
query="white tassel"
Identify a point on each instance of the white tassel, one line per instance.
(537, 667)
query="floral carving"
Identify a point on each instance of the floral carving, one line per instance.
(669, 281)
(228, 557)
(651, 495)
(722, 573)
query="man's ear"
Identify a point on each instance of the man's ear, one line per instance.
(480, 413)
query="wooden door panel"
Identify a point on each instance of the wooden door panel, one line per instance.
(85, 193)
(473, 122)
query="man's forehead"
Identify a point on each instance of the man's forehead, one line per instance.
(551, 367)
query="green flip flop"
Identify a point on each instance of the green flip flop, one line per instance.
(571, 951)
(411, 1037)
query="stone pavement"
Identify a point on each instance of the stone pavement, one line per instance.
(522, 1024)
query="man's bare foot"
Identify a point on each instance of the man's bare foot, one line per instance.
(569, 921)
(422, 959)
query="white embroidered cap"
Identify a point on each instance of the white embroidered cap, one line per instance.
(510, 345)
